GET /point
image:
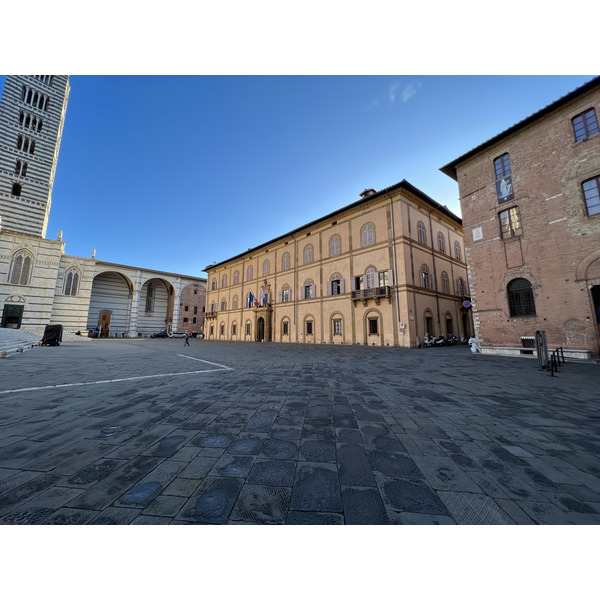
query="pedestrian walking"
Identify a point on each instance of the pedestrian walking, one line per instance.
(187, 339)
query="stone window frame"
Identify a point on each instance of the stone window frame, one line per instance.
(71, 282)
(21, 267)
(367, 235)
(585, 124)
(591, 194)
(510, 223)
(421, 233)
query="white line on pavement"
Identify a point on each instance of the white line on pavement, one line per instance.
(206, 361)
(64, 385)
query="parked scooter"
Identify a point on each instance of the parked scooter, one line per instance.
(428, 340)
(452, 339)
(464, 338)
(440, 341)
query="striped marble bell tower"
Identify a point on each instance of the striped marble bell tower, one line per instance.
(32, 115)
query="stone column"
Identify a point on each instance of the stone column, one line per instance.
(176, 301)
(135, 306)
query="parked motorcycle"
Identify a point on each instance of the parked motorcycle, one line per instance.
(464, 338)
(452, 339)
(440, 341)
(428, 340)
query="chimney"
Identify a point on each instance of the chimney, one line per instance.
(366, 193)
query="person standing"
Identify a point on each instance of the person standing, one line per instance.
(187, 339)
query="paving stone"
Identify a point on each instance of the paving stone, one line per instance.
(151, 520)
(411, 495)
(115, 516)
(272, 472)
(394, 465)
(354, 467)
(232, 465)
(406, 518)
(474, 509)
(249, 445)
(212, 502)
(165, 506)
(363, 506)
(262, 504)
(182, 486)
(70, 516)
(316, 488)
(198, 468)
(443, 473)
(317, 450)
(280, 449)
(212, 441)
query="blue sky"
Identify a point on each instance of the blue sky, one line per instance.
(175, 172)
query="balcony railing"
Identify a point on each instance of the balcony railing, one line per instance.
(377, 293)
(210, 314)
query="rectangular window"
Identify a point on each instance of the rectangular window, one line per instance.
(503, 172)
(247, 328)
(222, 329)
(308, 291)
(337, 327)
(185, 319)
(194, 320)
(234, 329)
(585, 125)
(591, 192)
(510, 223)
(335, 287)
(286, 328)
(373, 329)
(309, 327)
(383, 279)
(186, 309)
(195, 310)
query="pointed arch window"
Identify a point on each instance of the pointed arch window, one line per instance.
(150, 297)
(461, 287)
(308, 254)
(286, 293)
(441, 243)
(370, 278)
(285, 262)
(213, 284)
(21, 267)
(445, 283)
(425, 277)
(71, 283)
(236, 278)
(249, 273)
(235, 302)
(421, 233)
(367, 234)
(457, 251)
(224, 280)
(266, 268)
(335, 245)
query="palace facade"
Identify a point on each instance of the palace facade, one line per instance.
(381, 271)
(530, 200)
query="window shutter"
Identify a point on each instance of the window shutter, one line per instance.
(353, 284)
(313, 291)
(390, 277)
(329, 288)
(301, 292)
(342, 286)
(280, 295)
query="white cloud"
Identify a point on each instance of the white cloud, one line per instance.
(409, 91)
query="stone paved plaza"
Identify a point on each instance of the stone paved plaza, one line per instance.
(152, 432)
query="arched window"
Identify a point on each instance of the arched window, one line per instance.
(421, 233)
(457, 251)
(224, 281)
(521, 302)
(249, 273)
(286, 293)
(335, 245)
(308, 254)
(235, 301)
(266, 268)
(285, 262)
(20, 270)
(150, 296)
(213, 306)
(461, 287)
(370, 278)
(71, 283)
(223, 304)
(367, 234)
(425, 277)
(441, 243)
(236, 278)
(213, 284)
(445, 283)
(309, 289)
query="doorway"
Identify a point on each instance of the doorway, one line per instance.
(12, 316)
(260, 330)
(104, 323)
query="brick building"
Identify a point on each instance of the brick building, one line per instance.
(530, 201)
(191, 308)
(381, 271)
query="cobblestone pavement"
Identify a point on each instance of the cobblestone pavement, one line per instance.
(245, 433)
